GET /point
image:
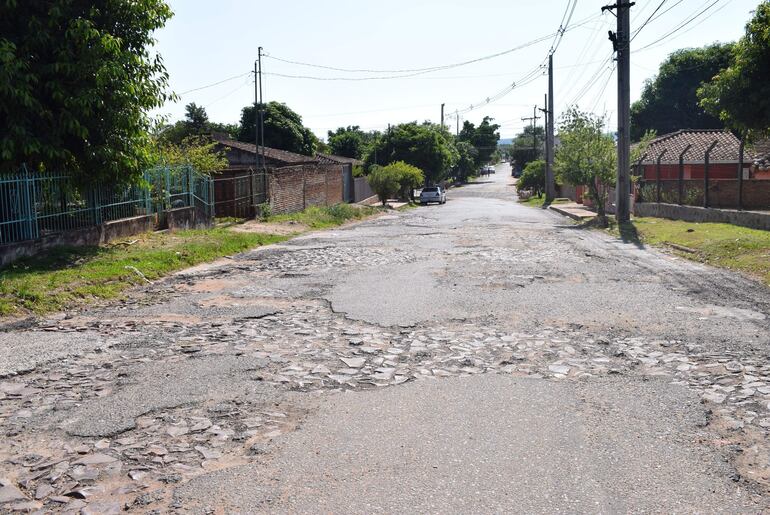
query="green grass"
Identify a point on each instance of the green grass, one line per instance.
(540, 201)
(724, 245)
(326, 216)
(67, 276)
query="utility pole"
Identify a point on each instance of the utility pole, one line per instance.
(622, 45)
(261, 108)
(534, 120)
(457, 119)
(549, 189)
(442, 117)
(550, 192)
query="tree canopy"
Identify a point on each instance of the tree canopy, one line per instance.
(76, 82)
(349, 141)
(195, 123)
(522, 150)
(740, 94)
(669, 101)
(484, 138)
(426, 146)
(283, 129)
(586, 156)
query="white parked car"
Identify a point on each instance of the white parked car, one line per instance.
(433, 194)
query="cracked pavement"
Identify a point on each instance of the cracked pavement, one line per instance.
(471, 357)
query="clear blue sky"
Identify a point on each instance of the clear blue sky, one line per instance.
(206, 42)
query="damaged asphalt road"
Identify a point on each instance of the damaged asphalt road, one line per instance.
(471, 357)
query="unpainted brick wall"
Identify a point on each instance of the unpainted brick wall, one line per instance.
(294, 188)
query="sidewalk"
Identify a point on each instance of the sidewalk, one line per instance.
(573, 210)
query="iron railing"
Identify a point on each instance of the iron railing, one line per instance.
(36, 204)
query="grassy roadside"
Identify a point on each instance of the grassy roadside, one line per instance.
(71, 276)
(325, 217)
(533, 201)
(724, 245)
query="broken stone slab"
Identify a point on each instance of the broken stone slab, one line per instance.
(559, 369)
(354, 362)
(9, 493)
(716, 398)
(95, 459)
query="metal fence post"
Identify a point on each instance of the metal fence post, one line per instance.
(29, 205)
(681, 173)
(657, 178)
(740, 176)
(706, 173)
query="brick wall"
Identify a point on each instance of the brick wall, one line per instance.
(723, 193)
(294, 188)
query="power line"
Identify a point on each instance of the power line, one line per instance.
(216, 83)
(559, 33)
(680, 26)
(636, 33)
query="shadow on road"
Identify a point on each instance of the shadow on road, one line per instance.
(627, 232)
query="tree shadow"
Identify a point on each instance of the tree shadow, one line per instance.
(56, 258)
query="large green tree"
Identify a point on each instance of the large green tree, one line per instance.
(484, 138)
(196, 123)
(283, 129)
(669, 101)
(76, 82)
(349, 141)
(424, 145)
(586, 156)
(528, 145)
(467, 156)
(740, 94)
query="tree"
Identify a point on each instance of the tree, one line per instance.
(522, 146)
(484, 138)
(669, 101)
(586, 156)
(76, 83)
(384, 182)
(466, 160)
(426, 146)
(348, 141)
(740, 94)
(533, 178)
(409, 177)
(195, 123)
(196, 151)
(283, 129)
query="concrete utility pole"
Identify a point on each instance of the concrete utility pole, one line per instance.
(550, 192)
(534, 120)
(261, 108)
(457, 118)
(622, 45)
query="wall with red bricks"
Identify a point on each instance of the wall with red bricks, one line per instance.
(294, 188)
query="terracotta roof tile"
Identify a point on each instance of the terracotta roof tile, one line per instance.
(332, 159)
(271, 153)
(675, 143)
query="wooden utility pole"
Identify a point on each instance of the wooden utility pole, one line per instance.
(442, 117)
(457, 118)
(621, 43)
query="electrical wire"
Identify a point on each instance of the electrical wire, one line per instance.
(216, 83)
(636, 33)
(679, 27)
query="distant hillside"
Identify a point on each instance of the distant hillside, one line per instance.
(505, 141)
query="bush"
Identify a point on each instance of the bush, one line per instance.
(409, 178)
(533, 177)
(384, 182)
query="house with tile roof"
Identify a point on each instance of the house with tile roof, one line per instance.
(690, 146)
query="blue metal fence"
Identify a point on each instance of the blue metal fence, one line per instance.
(35, 204)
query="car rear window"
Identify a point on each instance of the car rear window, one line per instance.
(430, 190)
